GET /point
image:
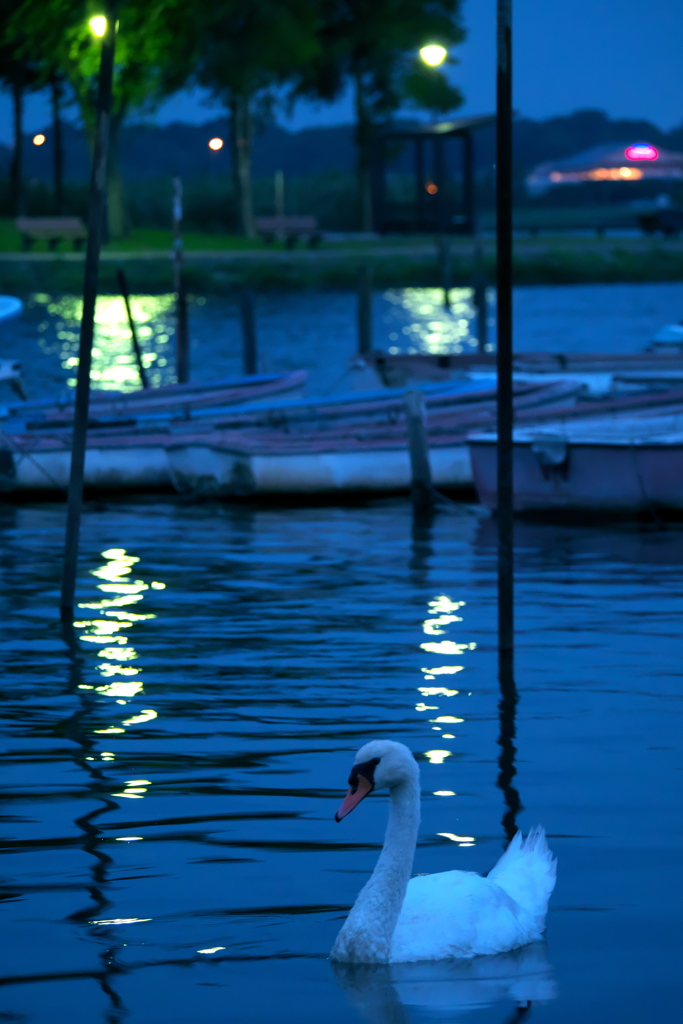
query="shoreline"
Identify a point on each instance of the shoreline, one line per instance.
(557, 261)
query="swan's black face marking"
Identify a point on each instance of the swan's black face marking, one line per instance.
(367, 770)
(361, 782)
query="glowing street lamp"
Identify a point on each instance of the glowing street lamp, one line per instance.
(38, 140)
(433, 54)
(98, 25)
(215, 144)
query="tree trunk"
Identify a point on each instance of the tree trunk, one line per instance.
(57, 148)
(16, 170)
(363, 146)
(240, 138)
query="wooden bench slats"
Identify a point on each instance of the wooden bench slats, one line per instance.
(51, 229)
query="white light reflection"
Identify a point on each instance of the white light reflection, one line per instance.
(121, 681)
(447, 647)
(461, 840)
(214, 949)
(437, 756)
(122, 920)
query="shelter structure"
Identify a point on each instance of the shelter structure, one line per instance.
(435, 206)
(626, 161)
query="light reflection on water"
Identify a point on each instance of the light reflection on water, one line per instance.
(114, 366)
(201, 843)
(317, 330)
(423, 324)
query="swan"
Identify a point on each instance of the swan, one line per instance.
(399, 919)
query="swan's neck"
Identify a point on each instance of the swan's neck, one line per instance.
(366, 935)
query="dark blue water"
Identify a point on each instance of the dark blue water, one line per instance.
(317, 331)
(170, 849)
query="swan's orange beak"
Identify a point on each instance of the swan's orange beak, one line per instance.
(353, 797)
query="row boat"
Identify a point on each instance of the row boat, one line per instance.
(138, 458)
(174, 401)
(624, 465)
(370, 459)
(400, 369)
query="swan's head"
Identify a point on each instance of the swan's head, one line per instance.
(379, 764)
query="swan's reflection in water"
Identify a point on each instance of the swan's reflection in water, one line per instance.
(448, 989)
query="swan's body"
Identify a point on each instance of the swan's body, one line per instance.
(398, 919)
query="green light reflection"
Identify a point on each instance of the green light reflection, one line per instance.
(114, 367)
(431, 328)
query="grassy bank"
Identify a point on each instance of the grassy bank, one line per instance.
(555, 261)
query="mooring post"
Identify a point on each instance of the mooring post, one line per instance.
(422, 489)
(364, 310)
(479, 290)
(445, 269)
(248, 319)
(123, 288)
(96, 208)
(504, 357)
(182, 338)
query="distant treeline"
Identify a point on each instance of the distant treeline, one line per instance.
(318, 164)
(150, 151)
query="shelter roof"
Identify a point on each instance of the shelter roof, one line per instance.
(455, 127)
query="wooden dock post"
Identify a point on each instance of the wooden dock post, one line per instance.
(248, 320)
(422, 489)
(364, 310)
(445, 269)
(504, 357)
(479, 290)
(96, 209)
(182, 337)
(123, 288)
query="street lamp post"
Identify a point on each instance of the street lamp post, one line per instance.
(105, 28)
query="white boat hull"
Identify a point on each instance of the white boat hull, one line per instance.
(106, 469)
(223, 472)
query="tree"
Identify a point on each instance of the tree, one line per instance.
(245, 50)
(20, 73)
(373, 45)
(153, 59)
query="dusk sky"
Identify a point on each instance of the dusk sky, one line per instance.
(620, 56)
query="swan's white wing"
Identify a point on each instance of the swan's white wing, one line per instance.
(458, 914)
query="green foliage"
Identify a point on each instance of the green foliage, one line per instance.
(374, 44)
(248, 48)
(151, 48)
(428, 89)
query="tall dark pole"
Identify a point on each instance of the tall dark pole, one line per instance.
(16, 167)
(96, 208)
(182, 339)
(57, 146)
(504, 360)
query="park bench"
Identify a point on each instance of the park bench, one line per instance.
(289, 230)
(52, 230)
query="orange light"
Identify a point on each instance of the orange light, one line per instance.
(614, 174)
(38, 140)
(216, 144)
(432, 188)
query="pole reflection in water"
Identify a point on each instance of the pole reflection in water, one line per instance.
(84, 756)
(384, 993)
(507, 708)
(120, 683)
